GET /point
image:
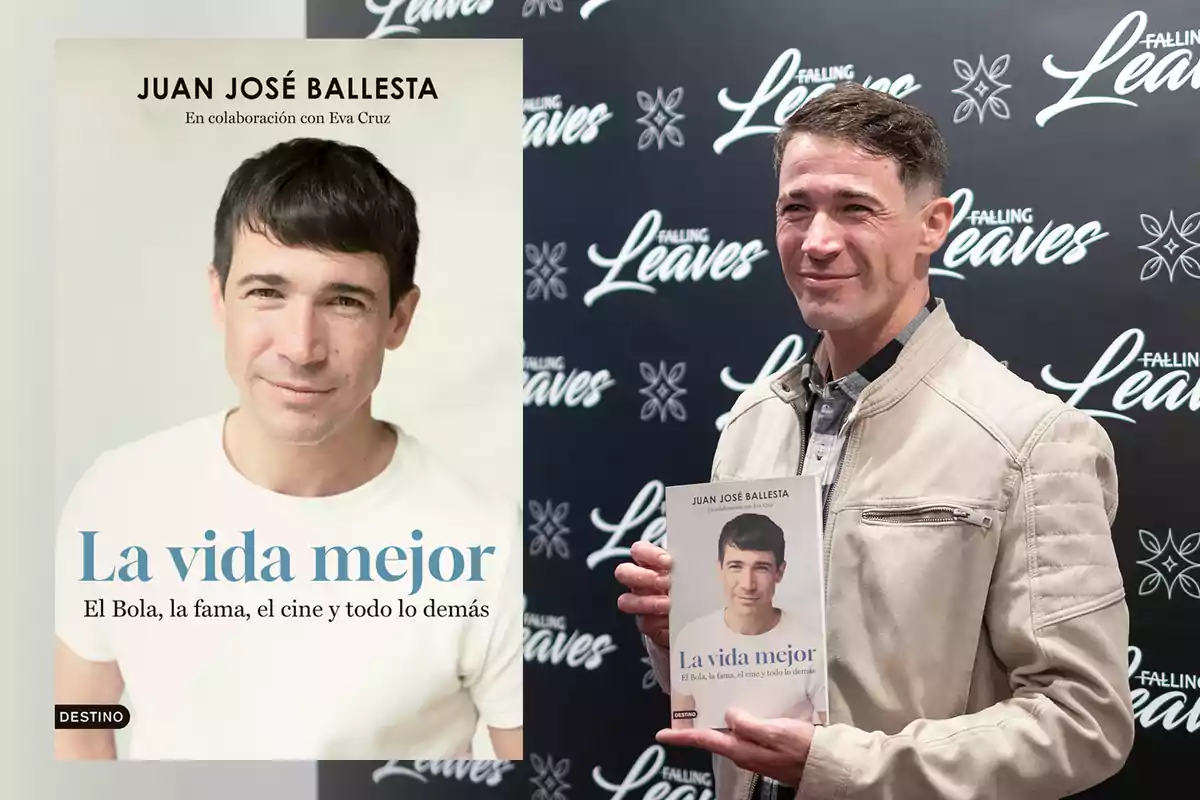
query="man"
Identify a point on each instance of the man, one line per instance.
(311, 283)
(976, 621)
(751, 563)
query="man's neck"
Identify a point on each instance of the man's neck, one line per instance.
(358, 452)
(754, 623)
(849, 349)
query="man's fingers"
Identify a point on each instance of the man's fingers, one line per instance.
(643, 605)
(642, 580)
(759, 731)
(705, 739)
(650, 556)
(725, 744)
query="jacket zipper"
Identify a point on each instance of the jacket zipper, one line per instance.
(753, 786)
(931, 513)
(803, 438)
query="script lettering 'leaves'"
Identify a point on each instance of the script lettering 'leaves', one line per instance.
(1151, 226)
(1150, 542)
(963, 69)
(1149, 583)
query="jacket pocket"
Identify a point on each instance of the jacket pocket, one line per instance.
(908, 584)
(928, 515)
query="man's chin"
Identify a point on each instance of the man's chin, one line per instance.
(830, 317)
(297, 429)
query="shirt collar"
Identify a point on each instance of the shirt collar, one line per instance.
(858, 380)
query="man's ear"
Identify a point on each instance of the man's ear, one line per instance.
(402, 316)
(935, 225)
(216, 298)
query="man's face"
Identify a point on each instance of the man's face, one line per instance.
(749, 577)
(305, 334)
(850, 237)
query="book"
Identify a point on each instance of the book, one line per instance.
(747, 613)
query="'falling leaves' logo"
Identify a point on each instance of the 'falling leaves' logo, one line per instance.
(1171, 247)
(662, 391)
(545, 271)
(549, 529)
(660, 118)
(1169, 564)
(550, 777)
(981, 88)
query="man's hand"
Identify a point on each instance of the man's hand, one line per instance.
(649, 581)
(777, 748)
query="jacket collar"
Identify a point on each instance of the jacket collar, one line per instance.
(929, 343)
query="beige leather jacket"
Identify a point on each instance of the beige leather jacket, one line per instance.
(976, 614)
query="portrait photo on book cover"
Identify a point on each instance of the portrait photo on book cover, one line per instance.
(288, 437)
(747, 626)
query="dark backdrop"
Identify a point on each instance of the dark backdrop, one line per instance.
(668, 106)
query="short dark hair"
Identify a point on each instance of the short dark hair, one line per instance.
(751, 532)
(877, 123)
(325, 195)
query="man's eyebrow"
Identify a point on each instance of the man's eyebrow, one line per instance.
(841, 194)
(277, 280)
(269, 278)
(342, 287)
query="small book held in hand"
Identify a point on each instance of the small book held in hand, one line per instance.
(747, 601)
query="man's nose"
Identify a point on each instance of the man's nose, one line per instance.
(302, 339)
(823, 238)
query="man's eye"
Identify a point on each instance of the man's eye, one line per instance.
(855, 208)
(263, 292)
(349, 302)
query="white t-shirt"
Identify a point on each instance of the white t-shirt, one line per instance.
(294, 688)
(795, 696)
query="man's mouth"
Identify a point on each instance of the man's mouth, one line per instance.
(823, 277)
(302, 389)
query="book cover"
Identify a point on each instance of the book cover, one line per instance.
(263, 251)
(747, 601)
